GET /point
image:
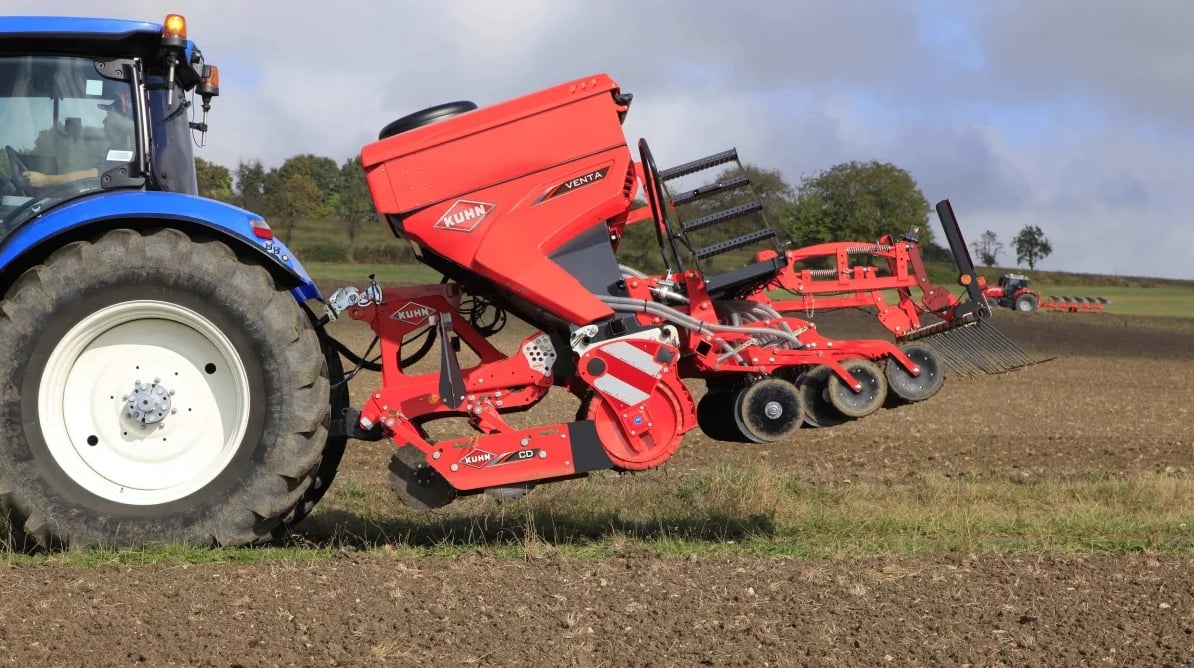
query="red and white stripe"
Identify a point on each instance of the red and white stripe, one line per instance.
(630, 373)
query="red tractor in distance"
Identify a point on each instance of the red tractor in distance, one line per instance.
(1012, 292)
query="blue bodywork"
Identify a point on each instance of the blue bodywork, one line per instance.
(134, 205)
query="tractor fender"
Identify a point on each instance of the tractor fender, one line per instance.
(35, 239)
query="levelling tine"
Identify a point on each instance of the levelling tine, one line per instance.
(978, 348)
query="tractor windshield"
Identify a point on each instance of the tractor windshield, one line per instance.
(62, 124)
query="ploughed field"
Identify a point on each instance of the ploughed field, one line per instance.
(1031, 518)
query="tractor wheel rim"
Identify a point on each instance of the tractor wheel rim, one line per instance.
(93, 390)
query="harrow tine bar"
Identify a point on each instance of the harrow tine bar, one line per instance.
(978, 348)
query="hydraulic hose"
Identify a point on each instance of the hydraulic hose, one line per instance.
(689, 322)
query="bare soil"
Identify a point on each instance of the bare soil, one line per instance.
(1117, 399)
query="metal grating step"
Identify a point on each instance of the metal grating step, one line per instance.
(722, 216)
(711, 189)
(698, 165)
(735, 243)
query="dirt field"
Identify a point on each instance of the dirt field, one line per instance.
(1117, 400)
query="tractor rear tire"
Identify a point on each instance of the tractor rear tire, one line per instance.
(161, 389)
(1026, 303)
(333, 449)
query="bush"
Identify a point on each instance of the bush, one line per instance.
(382, 253)
(324, 251)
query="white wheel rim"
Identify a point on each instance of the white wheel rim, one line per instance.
(83, 405)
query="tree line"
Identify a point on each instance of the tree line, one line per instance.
(1030, 243)
(851, 201)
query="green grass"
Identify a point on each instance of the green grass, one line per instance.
(358, 274)
(732, 511)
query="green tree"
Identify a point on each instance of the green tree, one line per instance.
(859, 201)
(324, 172)
(354, 204)
(1031, 246)
(296, 198)
(215, 181)
(987, 247)
(249, 192)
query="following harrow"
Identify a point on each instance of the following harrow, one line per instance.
(957, 328)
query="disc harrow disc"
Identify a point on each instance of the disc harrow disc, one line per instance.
(715, 415)
(768, 410)
(416, 483)
(911, 388)
(819, 411)
(858, 403)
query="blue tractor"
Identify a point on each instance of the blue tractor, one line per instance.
(164, 377)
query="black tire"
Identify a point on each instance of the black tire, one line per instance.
(268, 460)
(1026, 303)
(333, 449)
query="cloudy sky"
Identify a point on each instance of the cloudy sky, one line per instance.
(1076, 115)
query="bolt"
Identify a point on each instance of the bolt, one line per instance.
(157, 380)
(455, 467)
(171, 392)
(526, 440)
(497, 395)
(173, 411)
(858, 387)
(498, 403)
(435, 455)
(542, 454)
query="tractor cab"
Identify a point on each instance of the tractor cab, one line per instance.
(1013, 283)
(91, 105)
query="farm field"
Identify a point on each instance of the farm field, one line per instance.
(1042, 517)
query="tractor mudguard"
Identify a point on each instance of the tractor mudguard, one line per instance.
(233, 224)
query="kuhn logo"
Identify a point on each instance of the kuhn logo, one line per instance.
(476, 458)
(413, 314)
(464, 215)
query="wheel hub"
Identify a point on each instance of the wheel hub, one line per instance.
(149, 403)
(773, 410)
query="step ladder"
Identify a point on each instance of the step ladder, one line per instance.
(676, 234)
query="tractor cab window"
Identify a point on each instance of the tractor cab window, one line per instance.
(61, 126)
